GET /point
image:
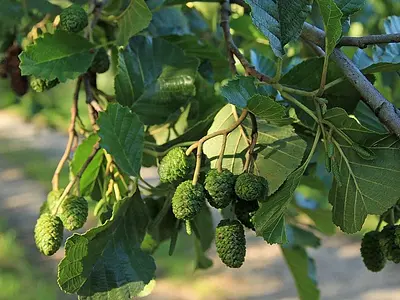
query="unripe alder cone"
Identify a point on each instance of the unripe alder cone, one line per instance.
(220, 187)
(176, 165)
(371, 252)
(187, 200)
(245, 211)
(388, 243)
(73, 212)
(230, 242)
(101, 62)
(48, 233)
(40, 85)
(73, 19)
(251, 187)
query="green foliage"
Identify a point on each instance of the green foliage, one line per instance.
(73, 212)
(231, 243)
(176, 165)
(371, 252)
(188, 200)
(48, 233)
(220, 187)
(73, 19)
(251, 187)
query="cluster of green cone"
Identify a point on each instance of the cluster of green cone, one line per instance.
(71, 213)
(379, 247)
(220, 189)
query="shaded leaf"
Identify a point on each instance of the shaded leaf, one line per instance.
(155, 78)
(106, 262)
(81, 154)
(303, 271)
(269, 219)
(331, 15)
(61, 55)
(134, 19)
(169, 21)
(349, 7)
(297, 236)
(122, 135)
(322, 219)
(280, 20)
(269, 110)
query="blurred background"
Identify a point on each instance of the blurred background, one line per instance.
(32, 140)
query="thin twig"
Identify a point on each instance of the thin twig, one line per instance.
(71, 136)
(221, 153)
(78, 176)
(254, 136)
(230, 44)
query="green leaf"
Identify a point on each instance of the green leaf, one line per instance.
(134, 19)
(269, 110)
(269, 219)
(106, 262)
(322, 219)
(169, 21)
(239, 90)
(81, 154)
(61, 55)
(349, 7)
(280, 20)
(368, 186)
(122, 136)
(368, 119)
(299, 237)
(303, 270)
(155, 78)
(279, 150)
(204, 228)
(331, 15)
(350, 126)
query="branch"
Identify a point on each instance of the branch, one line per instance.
(234, 50)
(71, 136)
(364, 41)
(383, 109)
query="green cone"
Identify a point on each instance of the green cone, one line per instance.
(73, 19)
(371, 252)
(176, 166)
(48, 233)
(231, 243)
(187, 200)
(251, 187)
(220, 187)
(73, 212)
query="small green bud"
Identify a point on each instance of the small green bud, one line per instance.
(330, 149)
(245, 211)
(73, 212)
(336, 173)
(220, 187)
(101, 62)
(48, 234)
(187, 200)
(40, 85)
(73, 19)
(371, 252)
(363, 152)
(230, 242)
(251, 187)
(175, 166)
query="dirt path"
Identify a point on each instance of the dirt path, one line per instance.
(341, 274)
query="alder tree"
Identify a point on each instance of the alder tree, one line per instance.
(240, 105)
